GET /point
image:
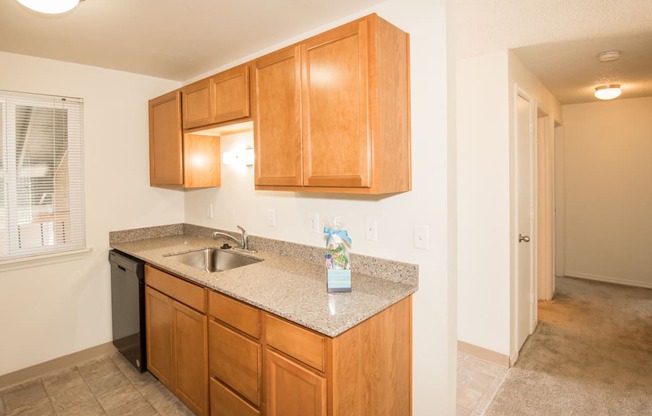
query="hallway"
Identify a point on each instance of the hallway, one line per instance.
(591, 354)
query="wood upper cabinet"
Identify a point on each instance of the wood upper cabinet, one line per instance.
(178, 159)
(277, 132)
(176, 328)
(165, 140)
(350, 109)
(197, 107)
(220, 98)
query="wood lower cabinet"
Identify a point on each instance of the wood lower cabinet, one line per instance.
(176, 326)
(292, 389)
(247, 362)
(333, 112)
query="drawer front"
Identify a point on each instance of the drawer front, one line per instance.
(177, 288)
(225, 403)
(235, 313)
(297, 342)
(235, 360)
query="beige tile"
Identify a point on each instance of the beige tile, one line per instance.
(21, 395)
(107, 383)
(486, 367)
(474, 379)
(118, 397)
(467, 397)
(72, 397)
(175, 408)
(138, 407)
(41, 407)
(462, 411)
(96, 369)
(89, 408)
(62, 380)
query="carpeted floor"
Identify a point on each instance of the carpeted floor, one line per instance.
(591, 354)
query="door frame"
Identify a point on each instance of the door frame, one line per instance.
(545, 208)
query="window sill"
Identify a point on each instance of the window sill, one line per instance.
(35, 261)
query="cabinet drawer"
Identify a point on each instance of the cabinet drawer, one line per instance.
(235, 360)
(225, 403)
(177, 288)
(299, 343)
(235, 313)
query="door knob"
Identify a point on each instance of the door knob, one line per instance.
(525, 238)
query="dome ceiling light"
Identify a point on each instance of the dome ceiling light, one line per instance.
(50, 6)
(607, 92)
(608, 56)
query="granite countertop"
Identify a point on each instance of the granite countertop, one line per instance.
(283, 285)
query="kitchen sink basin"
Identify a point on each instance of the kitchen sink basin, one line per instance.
(214, 259)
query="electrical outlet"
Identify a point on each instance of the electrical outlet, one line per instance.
(421, 236)
(271, 217)
(371, 230)
(314, 222)
(209, 211)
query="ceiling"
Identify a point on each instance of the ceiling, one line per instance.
(172, 39)
(558, 40)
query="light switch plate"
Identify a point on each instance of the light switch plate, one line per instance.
(313, 226)
(271, 217)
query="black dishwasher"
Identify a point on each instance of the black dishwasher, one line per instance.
(128, 307)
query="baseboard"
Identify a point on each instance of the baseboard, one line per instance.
(56, 364)
(483, 353)
(608, 279)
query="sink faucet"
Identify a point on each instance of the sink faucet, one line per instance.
(244, 238)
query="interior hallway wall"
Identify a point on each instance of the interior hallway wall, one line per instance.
(608, 191)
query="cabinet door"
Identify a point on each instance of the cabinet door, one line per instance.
(230, 90)
(159, 335)
(292, 390)
(277, 132)
(202, 165)
(235, 360)
(165, 140)
(197, 107)
(226, 403)
(336, 136)
(190, 357)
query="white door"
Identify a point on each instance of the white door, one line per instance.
(525, 220)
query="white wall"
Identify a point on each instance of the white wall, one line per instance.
(53, 310)
(483, 202)
(608, 190)
(485, 89)
(236, 203)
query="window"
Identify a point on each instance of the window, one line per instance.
(41, 192)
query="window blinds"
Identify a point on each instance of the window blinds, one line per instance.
(41, 194)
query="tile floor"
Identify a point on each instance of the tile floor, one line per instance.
(477, 384)
(108, 385)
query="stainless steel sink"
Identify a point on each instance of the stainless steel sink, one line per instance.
(214, 259)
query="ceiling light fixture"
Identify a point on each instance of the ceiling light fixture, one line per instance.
(609, 56)
(50, 6)
(607, 92)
